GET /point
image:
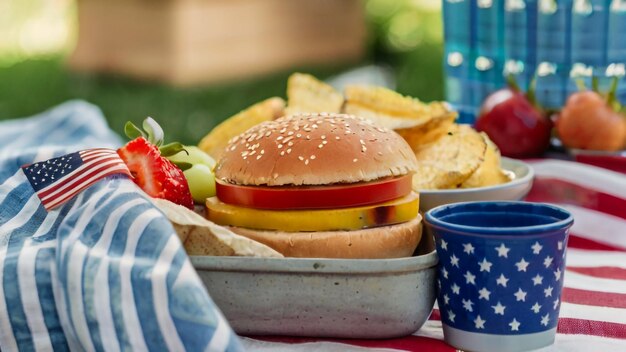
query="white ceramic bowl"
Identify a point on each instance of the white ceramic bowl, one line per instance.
(515, 189)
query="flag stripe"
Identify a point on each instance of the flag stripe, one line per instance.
(607, 272)
(597, 226)
(407, 343)
(553, 190)
(598, 313)
(584, 282)
(70, 176)
(594, 258)
(591, 327)
(77, 176)
(590, 177)
(576, 241)
(594, 298)
(86, 183)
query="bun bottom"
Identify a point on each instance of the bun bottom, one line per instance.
(393, 241)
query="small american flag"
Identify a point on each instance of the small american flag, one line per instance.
(59, 179)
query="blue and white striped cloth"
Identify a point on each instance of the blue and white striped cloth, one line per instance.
(105, 271)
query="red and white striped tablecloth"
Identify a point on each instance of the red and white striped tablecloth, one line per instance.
(593, 313)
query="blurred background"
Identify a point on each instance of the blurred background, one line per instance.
(189, 69)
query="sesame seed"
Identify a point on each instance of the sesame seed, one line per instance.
(287, 139)
(323, 137)
(337, 137)
(288, 150)
(258, 157)
(268, 133)
(299, 135)
(354, 160)
(280, 146)
(361, 141)
(320, 146)
(301, 158)
(279, 138)
(324, 142)
(312, 157)
(283, 130)
(262, 151)
(290, 133)
(244, 153)
(306, 162)
(245, 157)
(314, 126)
(290, 144)
(380, 153)
(252, 153)
(282, 153)
(308, 137)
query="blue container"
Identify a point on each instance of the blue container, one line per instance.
(553, 52)
(520, 42)
(501, 267)
(590, 26)
(457, 26)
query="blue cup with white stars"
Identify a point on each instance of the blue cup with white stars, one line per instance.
(501, 267)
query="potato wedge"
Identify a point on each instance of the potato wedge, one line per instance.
(306, 93)
(216, 140)
(450, 160)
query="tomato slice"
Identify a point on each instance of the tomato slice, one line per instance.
(314, 197)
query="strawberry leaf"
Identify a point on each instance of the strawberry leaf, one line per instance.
(183, 166)
(133, 131)
(172, 149)
(155, 132)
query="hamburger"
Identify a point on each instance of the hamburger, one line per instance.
(319, 186)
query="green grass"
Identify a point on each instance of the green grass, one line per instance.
(186, 114)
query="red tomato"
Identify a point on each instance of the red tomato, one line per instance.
(315, 197)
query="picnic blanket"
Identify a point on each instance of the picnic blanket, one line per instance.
(107, 272)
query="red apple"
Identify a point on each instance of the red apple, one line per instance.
(514, 123)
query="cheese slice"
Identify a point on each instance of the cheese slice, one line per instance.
(388, 213)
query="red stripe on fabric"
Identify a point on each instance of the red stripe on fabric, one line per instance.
(435, 315)
(607, 272)
(579, 242)
(553, 190)
(594, 298)
(611, 162)
(407, 343)
(591, 327)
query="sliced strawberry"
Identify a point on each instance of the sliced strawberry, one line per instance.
(156, 175)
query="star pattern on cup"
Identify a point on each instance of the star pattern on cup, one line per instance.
(525, 280)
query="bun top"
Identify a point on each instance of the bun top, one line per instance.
(314, 149)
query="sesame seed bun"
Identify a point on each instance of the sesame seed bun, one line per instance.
(314, 149)
(322, 149)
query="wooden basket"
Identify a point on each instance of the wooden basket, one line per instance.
(197, 41)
